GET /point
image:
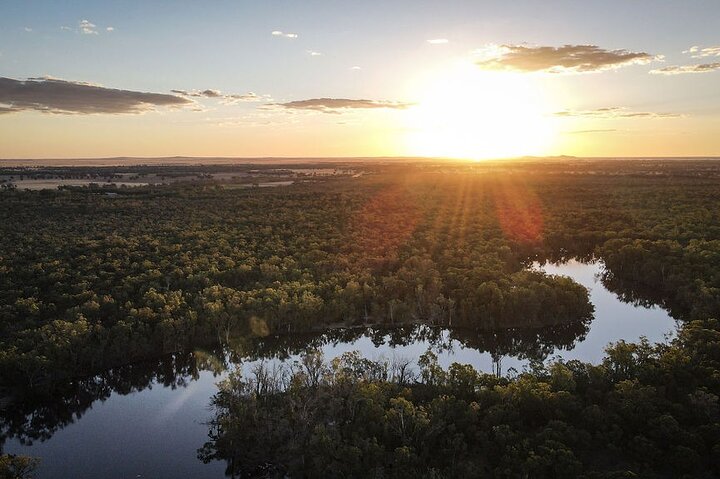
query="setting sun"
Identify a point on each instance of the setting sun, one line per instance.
(464, 112)
(402, 239)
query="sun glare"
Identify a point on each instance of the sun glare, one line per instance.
(465, 112)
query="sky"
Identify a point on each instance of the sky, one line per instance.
(335, 78)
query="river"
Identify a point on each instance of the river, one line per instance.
(148, 421)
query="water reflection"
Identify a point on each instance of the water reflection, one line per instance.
(148, 418)
(523, 343)
(621, 313)
(37, 417)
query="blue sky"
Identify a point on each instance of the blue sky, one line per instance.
(228, 46)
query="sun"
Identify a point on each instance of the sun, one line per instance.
(464, 112)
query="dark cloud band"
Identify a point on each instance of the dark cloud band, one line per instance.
(337, 105)
(52, 95)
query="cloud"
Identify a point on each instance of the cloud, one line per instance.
(52, 95)
(564, 59)
(199, 93)
(313, 53)
(87, 28)
(28, 29)
(697, 52)
(681, 69)
(256, 118)
(438, 41)
(228, 99)
(614, 112)
(247, 97)
(278, 33)
(355, 68)
(338, 105)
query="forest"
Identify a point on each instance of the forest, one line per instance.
(91, 281)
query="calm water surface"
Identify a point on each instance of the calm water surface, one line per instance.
(155, 432)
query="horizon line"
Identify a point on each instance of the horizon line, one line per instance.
(129, 161)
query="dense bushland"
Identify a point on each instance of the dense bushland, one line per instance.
(89, 281)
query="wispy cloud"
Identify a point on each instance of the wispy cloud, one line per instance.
(209, 93)
(87, 28)
(339, 105)
(564, 59)
(682, 69)
(614, 112)
(355, 68)
(28, 29)
(278, 33)
(256, 118)
(227, 98)
(698, 52)
(246, 97)
(438, 41)
(313, 53)
(52, 95)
